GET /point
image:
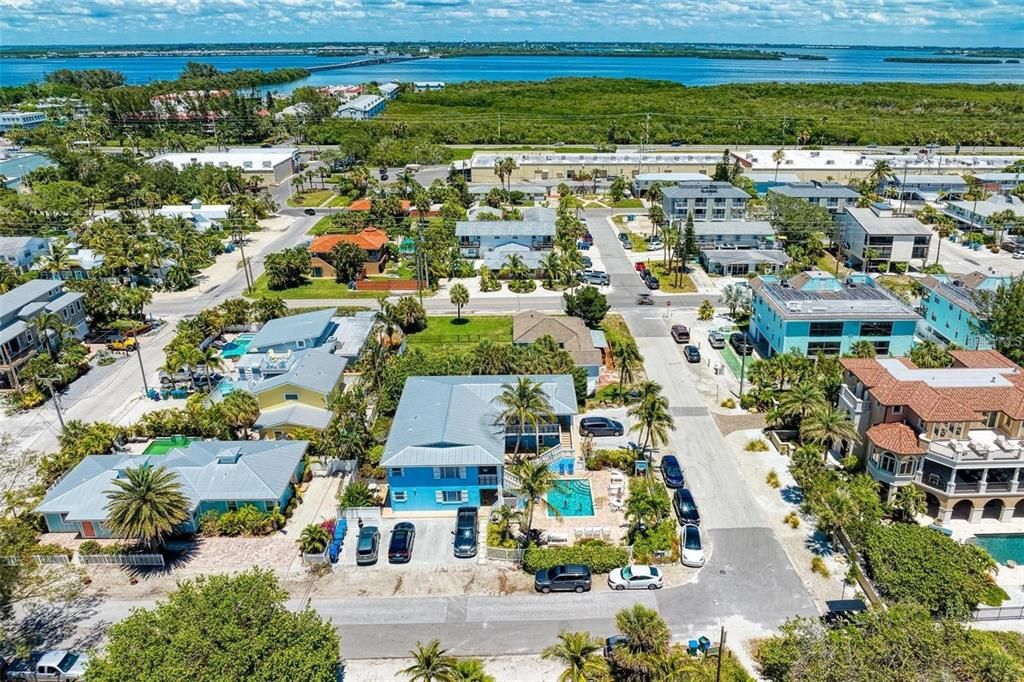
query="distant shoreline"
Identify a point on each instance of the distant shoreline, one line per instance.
(945, 60)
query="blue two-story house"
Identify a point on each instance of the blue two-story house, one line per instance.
(296, 332)
(493, 241)
(447, 445)
(950, 307)
(813, 312)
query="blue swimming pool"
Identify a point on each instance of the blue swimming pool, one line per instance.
(571, 498)
(236, 348)
(1002, 546)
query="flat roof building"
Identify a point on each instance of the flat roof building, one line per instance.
(829, 195)
(950, 305)
(362, 107)
(977, 214)
(9, 120)
(878, 237)
(813, 312)
(534, 167)
(276, 163)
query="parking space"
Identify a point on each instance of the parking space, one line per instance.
(432, 546)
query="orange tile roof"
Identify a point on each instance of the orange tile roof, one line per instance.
(370, 239)
(897, 438)
(944, 404)
(364, 204)
(981, 358)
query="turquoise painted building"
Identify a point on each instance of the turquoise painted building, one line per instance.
(950, 307)
(214, 476)
(813, 312)
(447, 444)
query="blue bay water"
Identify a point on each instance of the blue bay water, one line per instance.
(843, 66)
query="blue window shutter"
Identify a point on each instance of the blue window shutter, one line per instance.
(437, 472)
(438, 496)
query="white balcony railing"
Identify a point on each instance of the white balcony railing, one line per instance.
(850, 401)
(987, 452)
(488, 479)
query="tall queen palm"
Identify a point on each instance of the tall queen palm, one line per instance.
(524, 402)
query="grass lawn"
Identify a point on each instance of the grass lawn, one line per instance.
(447, 331)
(314, 288)
(322, 226)
(828, 264)
(311, 199)
(904, 286)
(615, 329)
(619, 220)
(341, 201)
(627, 203)
(638, 242)
(668, 280)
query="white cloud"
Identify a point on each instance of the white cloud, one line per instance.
(797, 21)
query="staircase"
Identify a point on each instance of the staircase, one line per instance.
(565, 439)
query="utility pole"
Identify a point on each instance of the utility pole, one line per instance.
(142, 369)
(721, 652)
(240, 238)
(56, 400)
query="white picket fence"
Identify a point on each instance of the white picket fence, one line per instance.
(123, 559)
(58, 559)
(352, 514)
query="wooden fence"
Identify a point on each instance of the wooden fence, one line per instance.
(386, 285)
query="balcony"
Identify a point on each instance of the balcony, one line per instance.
(949, 487)
(488, 480)
(529, 430)
(982, 448)
(849, 400)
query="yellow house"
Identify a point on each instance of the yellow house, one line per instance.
(297, 398)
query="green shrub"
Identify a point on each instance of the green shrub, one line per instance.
(522, 286)
(358, 494)
(756, 445)
(247, 520)
(51, 550)
(209, 523)
(374, 454)
(912, 563)
(494, 538)
(600, 556)
(748, 401)
(89, 547)
(729, 404)
(793, 519)
(620, 459)
(661, 538)
(818, 566)
(772, 479)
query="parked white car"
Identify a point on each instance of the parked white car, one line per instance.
(693, 546)
(636, 578)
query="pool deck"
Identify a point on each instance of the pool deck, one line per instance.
(603, 517)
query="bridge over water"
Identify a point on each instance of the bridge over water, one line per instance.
(369, 61)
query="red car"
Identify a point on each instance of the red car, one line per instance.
(641, 266)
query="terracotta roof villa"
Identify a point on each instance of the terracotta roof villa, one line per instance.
(957, 432)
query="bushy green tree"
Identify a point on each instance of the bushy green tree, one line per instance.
(221, 627)
(588, 304)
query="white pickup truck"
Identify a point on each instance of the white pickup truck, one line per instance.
(60, 665)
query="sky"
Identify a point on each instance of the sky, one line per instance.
(843, 22)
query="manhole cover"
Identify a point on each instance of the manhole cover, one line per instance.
(721, 571)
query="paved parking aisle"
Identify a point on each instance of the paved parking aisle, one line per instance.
(431, 547)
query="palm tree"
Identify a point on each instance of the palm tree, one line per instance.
(508, 165)
(211, 360)
(314, 539)
(56, 261)
(647, 641)
(835, 511)
(241, 410)
(470, 670)
(651, 417)
(863, 349)
(828, 426)
(459, 296)
(551, 264)
(778, 156)
(51, 328)
(535, 480)
(188, 357)
(499, 170)
(943, 228)
(432, 663)
(524, 402)
(580, 653)
(627, 358)
(516, 267)
(147, 504)
(503, 516)
(880, 173)
(803, 397)
(909, 502)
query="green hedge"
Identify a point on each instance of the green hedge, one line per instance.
(601, 557)
(91, 547)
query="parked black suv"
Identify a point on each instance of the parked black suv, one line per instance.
(564, 578)
(741, 343)
(600, 426)
(466, 529)
(686, 508)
